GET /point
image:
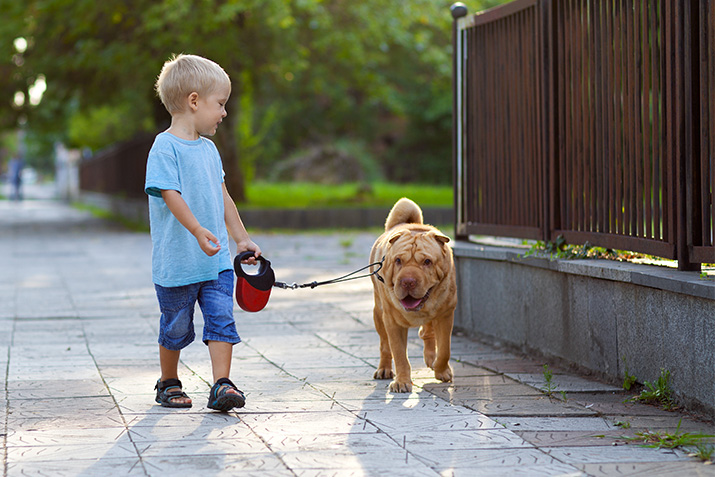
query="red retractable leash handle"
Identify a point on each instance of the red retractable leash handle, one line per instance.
(253, 290)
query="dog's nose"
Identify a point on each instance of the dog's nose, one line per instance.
(408, 283)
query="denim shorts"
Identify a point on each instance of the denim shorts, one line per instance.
(215, 297)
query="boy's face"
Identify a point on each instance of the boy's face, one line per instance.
(211, 110)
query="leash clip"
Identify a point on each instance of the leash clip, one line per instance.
(285, 286)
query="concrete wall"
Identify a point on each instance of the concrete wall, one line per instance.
(598, 314)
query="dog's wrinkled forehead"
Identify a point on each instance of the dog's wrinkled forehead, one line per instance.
(414, 241)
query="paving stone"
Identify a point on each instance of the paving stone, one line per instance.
(649, 469)
(67, 437)
(84, 451)
(429, 442)
(544, 439)
(475, 458)
(203, 431)
(352, 442)
(464, 392)
(540, 406)
(369, 462)
(510, 365)
(590, 455)
(247, 444)
(307, 423)
(563, 383)
(182, 418)
(258, 464)
(614, 404)
(88, 420)
(70, 468)
(59, 406)
(595, 424)
(35, 389)
(424, 421)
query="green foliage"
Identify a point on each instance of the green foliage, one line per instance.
(704, 452)
(628, 379)
(100, 126)
(667, 440)
(302, 195)
(561, 250)
(658, 392)
(549, 387)
(303, 71)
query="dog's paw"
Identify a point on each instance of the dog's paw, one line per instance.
(445, 376)
(397, 387)
(384, 373)
(430, 358)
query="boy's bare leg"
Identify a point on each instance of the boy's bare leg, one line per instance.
(169, 362)
(220, 353)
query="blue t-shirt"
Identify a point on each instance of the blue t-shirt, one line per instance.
(194, 169)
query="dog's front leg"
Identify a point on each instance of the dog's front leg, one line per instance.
(398, 345)
(427, 334)
(443, 332)
(384, 368)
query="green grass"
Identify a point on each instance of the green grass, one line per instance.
(304, 195)
(673, 440)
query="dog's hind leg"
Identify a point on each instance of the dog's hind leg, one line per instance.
(430, 352)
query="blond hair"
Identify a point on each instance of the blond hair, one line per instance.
(183, 74)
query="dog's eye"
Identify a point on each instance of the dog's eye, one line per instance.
(428, 261)
(398, 261)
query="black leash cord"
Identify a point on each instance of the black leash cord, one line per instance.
(344, 278)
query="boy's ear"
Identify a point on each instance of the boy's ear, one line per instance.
(193, 100)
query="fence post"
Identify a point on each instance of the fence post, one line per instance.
(549, 157)
(688, 150)
(458, 10)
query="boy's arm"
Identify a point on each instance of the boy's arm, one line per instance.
(177, 205)
(235, 227)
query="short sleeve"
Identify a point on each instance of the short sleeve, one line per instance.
(162, 172)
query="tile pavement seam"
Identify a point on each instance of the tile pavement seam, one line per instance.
(140, 459)
(253, 431)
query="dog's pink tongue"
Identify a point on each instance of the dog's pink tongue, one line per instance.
(408, 302)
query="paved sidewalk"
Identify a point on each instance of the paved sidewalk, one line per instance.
(79, 359)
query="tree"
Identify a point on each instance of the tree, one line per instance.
(302, 70)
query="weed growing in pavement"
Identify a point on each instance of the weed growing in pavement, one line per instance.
(703, 452)
(549, 387)
(628, 379)
(658, 392)
(666, 440)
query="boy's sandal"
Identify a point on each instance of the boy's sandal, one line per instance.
(169, 390)
(222, 400)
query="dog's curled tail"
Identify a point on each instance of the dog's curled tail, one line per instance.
(404, 211)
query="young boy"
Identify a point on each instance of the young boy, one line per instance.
(191, 214)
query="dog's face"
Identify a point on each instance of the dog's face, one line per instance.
(415, 264)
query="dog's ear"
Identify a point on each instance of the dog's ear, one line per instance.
(393, 238)
(442, 238)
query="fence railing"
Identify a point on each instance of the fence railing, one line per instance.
(588, 119)
(118, 170)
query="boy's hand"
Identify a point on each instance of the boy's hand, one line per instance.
(246, 246)
(207, 241)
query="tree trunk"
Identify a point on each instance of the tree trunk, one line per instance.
(226, 142)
